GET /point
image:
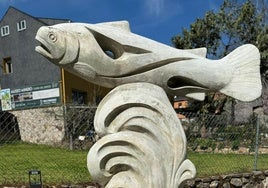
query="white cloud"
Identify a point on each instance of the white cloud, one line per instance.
(162, 9)
(156, 13)
(155, 7)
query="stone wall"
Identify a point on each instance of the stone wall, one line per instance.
(41, 125)
(256, 179)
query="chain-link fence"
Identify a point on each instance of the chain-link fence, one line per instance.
(80, 133)
(61, 162)
(225, 145)
(216, 145)
(9, 128)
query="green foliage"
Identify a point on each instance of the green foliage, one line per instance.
(262, 43)
(240, 24)
(220, 135)
(204, 32)
(221, 145)
(232, 133)
(235, 24)
(204, 144)
(242, 135)
(213, 145)
(235, 145)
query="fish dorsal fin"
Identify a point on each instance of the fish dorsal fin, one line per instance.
(124, 25)
(202, 52)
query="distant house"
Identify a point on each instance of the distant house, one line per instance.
(30, 78)
(180, 104)
(29, 81)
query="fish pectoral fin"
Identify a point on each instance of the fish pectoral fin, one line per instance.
(124, 25)
(245, 83)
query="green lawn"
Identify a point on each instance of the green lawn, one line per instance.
(64, 166)
(208, 164)
(57, 165)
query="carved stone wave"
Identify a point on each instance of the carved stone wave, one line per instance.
(142, 141)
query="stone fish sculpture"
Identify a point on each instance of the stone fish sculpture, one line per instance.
(80, 48)
(143, 143)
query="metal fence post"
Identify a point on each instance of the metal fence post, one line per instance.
(256, 143)
(68, 133)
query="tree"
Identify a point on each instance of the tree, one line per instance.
(204, 32)
(235, 23)
(222, 32)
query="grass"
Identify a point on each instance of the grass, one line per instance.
(59, 165)
(208, 164)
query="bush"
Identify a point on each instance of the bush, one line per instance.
(221, 145)
(235, 145)
(205, 143)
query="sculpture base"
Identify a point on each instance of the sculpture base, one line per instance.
(142, 141)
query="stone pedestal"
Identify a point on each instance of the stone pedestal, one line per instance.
(142, 141)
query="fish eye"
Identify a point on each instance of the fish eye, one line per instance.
(52, 37)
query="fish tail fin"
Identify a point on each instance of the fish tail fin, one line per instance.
(245, 84)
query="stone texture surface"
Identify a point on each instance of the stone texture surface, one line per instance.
(41, 125)
(109, 54)
(142, 141)
(244, 180)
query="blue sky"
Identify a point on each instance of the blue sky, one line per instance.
(159, 20)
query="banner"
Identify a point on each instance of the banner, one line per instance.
(31, 96)
(5, 99)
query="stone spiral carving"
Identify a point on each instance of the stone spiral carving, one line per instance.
(143, 143)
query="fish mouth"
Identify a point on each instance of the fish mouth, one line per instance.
(42, 48)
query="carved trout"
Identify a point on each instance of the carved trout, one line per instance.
(109, 54)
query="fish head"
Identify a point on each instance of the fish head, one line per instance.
(53, 45)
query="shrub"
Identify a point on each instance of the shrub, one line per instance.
(205, 143)
(235, 145)
(221, 145)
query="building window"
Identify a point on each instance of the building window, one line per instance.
(5, 30)
(21, 25)
(7, 66)
(79, 97)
